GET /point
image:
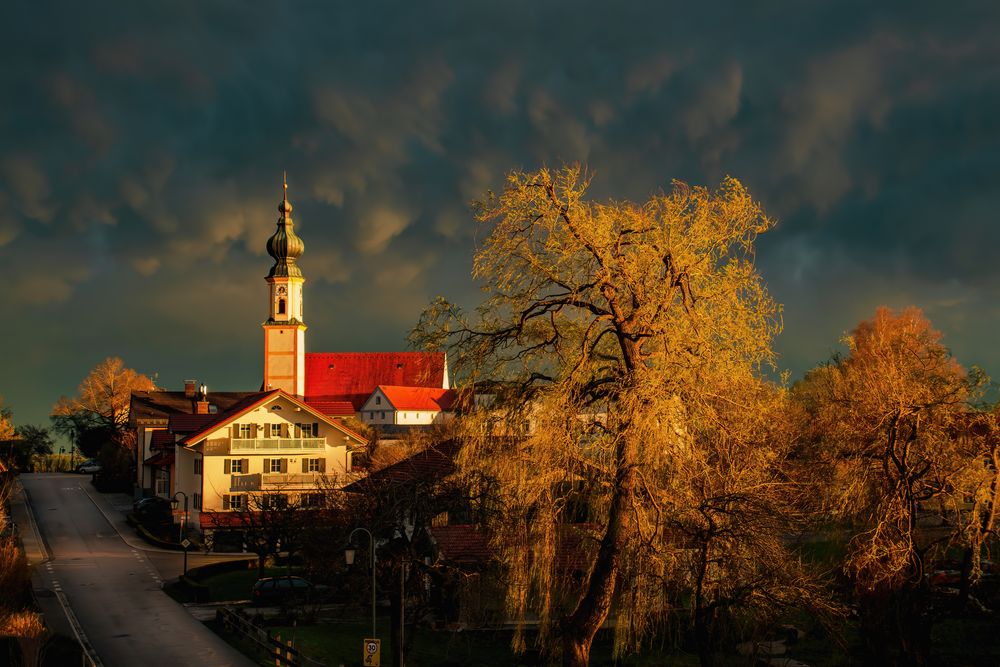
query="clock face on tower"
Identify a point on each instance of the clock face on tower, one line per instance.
(281, 290)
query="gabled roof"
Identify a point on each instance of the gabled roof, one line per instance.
(252, 402)
(353, 376)
(428, 465)
(162, 404)
(418, 398)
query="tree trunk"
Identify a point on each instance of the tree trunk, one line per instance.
(580, 627)
(703, 638)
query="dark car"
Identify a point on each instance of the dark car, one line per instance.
(150, 508)
(281, 590)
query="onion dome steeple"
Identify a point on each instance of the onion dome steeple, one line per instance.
(284, 246)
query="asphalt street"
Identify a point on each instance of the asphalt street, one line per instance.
(112, 587)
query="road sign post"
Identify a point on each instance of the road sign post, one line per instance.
(372, 653)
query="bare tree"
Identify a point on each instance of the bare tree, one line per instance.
(633, 337)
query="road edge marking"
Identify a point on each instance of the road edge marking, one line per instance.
(74, 623)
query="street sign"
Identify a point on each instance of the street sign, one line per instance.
(186, 543)
(372, 652)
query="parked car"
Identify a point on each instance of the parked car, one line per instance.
(153, 508)
(89, 467)
(283, 590)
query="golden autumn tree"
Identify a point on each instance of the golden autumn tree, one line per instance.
(101, 403)
(630, 339)
(893, 419)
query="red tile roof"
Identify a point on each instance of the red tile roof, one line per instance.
(185, 423)
(418, 398)
(251, 402)
(467, 544)
(164, 459)
(162, 440)
(462, 544)
(428, 465)
(333, 408)
(353, 376)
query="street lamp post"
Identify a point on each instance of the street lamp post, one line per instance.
(349, 557)
(175, 502)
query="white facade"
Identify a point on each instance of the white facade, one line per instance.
(379, 410)
(280, 446)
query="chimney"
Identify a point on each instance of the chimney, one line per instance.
(201, 406)
(189, 388)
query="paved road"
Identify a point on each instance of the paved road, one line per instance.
(112, 587)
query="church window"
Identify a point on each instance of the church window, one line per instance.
(281, 306)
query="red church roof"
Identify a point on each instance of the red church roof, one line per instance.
(418, 398)
(353, 376)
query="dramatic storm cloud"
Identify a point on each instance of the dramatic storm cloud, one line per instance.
(143, 145)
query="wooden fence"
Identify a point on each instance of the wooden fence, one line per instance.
(284, 652)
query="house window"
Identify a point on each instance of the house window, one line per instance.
(274, 501)
(381, 415)
(307, 430)
(313, 466)
(275, 430)
(236, 466)
(245, 431)
(198, 466)
(275, 465)
(311, 500)
(196, 501)
(234, 502)
(378, 400)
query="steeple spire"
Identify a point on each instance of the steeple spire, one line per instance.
(284, 246)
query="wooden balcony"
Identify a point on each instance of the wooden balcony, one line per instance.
(263, 445)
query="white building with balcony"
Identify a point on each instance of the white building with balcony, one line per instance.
(267, 444)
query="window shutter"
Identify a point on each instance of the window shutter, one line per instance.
(322, 465)
(225, 500)
(305, 465)
(267, 466)
(245, 466)
(315, 429)
(226, 467)
(284, 430)
(284, 465)
(236, 430)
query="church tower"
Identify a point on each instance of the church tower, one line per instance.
(284, 330)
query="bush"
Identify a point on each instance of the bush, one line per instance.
(52, 462)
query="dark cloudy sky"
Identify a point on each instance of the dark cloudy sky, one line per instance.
(142, 145)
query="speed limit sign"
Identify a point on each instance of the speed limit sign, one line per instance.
(372, 652)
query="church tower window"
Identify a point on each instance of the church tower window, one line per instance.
(281, 306)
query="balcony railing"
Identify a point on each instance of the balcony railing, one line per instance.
(245, 482)
(276, 444)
